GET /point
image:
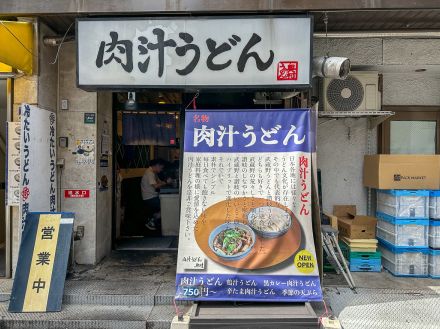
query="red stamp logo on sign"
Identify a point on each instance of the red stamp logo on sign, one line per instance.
(287, 70)
(77, 194)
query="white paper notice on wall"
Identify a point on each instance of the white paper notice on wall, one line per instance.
(105, 144)
(13, 164)
(38, 178)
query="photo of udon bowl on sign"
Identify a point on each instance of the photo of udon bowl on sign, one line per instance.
(248, 233)
(269, 222)
(232, 241)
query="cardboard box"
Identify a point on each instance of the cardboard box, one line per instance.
(333, 220)
(398, 171)
(354, 226)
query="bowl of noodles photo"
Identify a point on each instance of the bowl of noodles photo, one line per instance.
(269, 222)
(232, 241)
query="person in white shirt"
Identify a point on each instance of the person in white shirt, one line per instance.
(150, 184)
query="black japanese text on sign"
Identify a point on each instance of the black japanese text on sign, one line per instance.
(194, 51)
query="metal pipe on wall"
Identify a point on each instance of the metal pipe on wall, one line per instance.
(8, 209)
(424, 34)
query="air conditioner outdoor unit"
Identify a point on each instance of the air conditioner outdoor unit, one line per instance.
(358, 92)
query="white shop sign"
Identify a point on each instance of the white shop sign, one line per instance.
(244, 52)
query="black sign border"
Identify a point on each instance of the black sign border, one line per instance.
(193, 88)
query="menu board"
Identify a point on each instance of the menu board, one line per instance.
(246, 218)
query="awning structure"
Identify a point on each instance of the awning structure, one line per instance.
(17, 45)
(5, 68)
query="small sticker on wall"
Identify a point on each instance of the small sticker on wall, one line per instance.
(84, 151)
(77, 194)
(89, 118)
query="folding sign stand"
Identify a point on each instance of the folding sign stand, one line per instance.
(334, 253)
(42, 263)
(253, 315)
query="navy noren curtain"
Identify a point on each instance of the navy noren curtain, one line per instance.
(148, 129)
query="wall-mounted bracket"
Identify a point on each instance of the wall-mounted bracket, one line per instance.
(374, 117)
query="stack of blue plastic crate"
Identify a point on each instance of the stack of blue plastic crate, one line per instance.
(361, 261)
(434, 234)
(402, 231)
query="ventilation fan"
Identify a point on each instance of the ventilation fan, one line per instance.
(358, 92)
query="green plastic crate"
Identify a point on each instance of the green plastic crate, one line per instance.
(328, 268)
(345, 250)
(357, 254)
(365, 255)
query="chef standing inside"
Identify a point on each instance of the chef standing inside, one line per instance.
(150, 185)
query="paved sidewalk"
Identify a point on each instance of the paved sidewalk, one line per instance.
(136, 290)
(126, 290)
(383, 301)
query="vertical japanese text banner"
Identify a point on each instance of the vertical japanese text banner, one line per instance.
(246, 222)
(38, 177)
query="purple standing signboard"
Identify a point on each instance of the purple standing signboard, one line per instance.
(246, 221)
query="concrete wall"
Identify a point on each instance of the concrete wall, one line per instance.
(104, 195)
(340, 154)
(77, 176)
(53, 83)
(94, 213)
(47, 71)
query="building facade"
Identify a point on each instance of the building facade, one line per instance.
(407, 61)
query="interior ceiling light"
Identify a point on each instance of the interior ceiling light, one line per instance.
(131, 98)
(161, 99)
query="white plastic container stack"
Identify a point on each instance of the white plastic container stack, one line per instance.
(403, 261)
(434, 234)
(434, 263)
(434, 204)
(403, 204)
(403, 232)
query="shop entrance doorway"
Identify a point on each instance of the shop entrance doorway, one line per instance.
(147, 137)
(148, 127)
